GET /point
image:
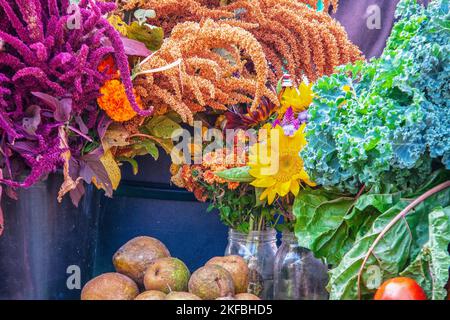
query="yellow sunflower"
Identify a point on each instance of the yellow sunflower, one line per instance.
(298, 98)
(277, 166)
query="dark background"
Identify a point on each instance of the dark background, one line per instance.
(42, 238)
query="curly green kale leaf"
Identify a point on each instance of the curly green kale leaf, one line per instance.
(386, 121)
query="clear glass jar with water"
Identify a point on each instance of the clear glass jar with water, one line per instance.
(298, 275)
(258, 248)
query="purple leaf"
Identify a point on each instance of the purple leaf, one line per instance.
(83, 128)
(24, 147)
(86, 172)
(103, 125)
(92, 167)
(51, 101)
(62, 108)
(64, 111)
(77, 193)
(135, 48)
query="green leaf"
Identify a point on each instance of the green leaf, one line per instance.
(243, 227)
(152, 37)
(431, 267)
(341, 231)
(392, 253)
(167, 145)
(144, 147)
(437, 177)
(151, 148)
(419, 271)
(258, 201)
(440, 259)
(328, 221)
(279, 86)
(320, 223)
(240, 174)
(162, 127)
(398, 247)
(210, 208)
(132, 162)
(175, 117)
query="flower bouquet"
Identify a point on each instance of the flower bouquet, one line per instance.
(87, 85)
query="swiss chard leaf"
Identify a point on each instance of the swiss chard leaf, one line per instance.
(342, 229)
(320, 224)
(401, 244)
(431, 267)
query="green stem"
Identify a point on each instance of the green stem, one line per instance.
(261, 222)
(276, 221)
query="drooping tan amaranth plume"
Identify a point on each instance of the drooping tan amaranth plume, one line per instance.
(294, 36)
(206, 77)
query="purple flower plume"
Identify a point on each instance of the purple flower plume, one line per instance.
(290, 123)
(43, 55)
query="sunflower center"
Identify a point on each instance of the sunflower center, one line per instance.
(290, 164)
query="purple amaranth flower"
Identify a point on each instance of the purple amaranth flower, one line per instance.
(41, 54)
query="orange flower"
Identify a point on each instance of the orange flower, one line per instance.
(233, 185)
(200, 195)
(115, 103)
(209, 177)
(108, 66)
(186, 175)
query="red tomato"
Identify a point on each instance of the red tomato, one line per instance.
(400, 289)
(448, 290)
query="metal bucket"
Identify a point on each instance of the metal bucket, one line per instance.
(47, 249)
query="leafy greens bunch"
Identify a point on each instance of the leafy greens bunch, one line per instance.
(387, 122)
(383, 127)
(342, 229)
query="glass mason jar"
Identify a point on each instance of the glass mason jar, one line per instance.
(259, 249)
(298, 274)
